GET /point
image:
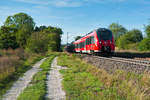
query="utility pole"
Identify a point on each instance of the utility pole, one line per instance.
(67, 38)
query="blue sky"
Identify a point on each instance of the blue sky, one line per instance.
(80, 16)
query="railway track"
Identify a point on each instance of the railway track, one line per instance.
(130, 61)
(125, 60)
(113, 63)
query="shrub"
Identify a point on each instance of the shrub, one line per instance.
(130, 39)
(144, 45)
(38, 42)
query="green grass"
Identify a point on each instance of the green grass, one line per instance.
(82, 84)
(83, 81)
(37, 89)
(21, 68)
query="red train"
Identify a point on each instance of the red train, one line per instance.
(98, 41)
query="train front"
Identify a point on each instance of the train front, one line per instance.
(105, 40)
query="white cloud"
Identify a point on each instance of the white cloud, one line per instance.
(66, 3)
(39, 2)
(57, 3)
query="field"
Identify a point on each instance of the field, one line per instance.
(13, 63)
(86, 82)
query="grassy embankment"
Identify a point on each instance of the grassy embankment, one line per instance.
(13, 63)
(37, 89)
(83, 81)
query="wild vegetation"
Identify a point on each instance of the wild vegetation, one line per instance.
(87, 82)
(13, 63)
(21, 44)
(131, 39)
(37, 89)
(19, 31)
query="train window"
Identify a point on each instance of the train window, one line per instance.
(84, 43)
(90, 40)
(79, 45)
(93, 40)
(87, 41)
(104, 35)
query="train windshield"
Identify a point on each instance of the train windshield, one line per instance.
(104, 35)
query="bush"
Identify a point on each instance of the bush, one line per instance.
(147, 30)
(47, 39)
(8, 38)
(144, 45)
(38, 42)
(130, 39)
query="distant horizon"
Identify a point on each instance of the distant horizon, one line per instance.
(81, 16)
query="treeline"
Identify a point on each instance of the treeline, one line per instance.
(131, 39)
(19, 31)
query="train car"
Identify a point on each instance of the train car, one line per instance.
(97, 41)
(69, 48)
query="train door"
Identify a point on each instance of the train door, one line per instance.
(88, 45)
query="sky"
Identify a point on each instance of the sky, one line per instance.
(78, 17)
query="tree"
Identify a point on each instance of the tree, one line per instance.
(134, 36)
(53, 39)
(24, 25)
(131, 37)
(19, 19)
(22, 35)
(78, 37)
(41, 28)
(8, 38)
(58, 32)
(38, 42)
(147, 30)
(46, 39)
(117, 30)
(144, 45)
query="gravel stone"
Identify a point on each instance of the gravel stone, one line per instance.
(112, 65)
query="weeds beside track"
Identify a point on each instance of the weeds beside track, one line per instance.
(86, 82)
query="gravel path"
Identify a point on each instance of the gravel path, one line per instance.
(55, 91)
(22, 83)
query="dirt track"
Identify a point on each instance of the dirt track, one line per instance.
(22, 83)
(55, 91)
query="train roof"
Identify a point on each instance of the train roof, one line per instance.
(99, 29)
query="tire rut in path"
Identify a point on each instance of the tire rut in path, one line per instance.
(22, 82)
(55, 91)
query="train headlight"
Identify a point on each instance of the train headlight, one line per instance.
(100, 42)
